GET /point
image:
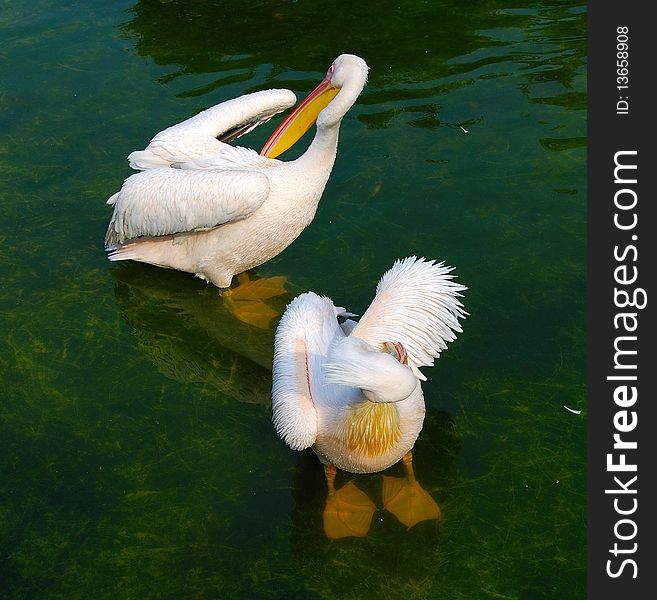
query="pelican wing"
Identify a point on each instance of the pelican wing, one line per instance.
(305, 332)
(293, 412)
(417, 304)
(207, 133)
(167, 201)
(230, 157)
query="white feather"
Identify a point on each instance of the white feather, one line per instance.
(231, 157)
(353, 362)
(166, 201)
(196, 138)
(295, 356)
(417, 304)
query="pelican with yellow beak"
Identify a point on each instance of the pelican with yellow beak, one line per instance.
(351, 390)
(205, 207)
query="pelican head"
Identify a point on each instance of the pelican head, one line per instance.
(325, 105)
(382, 375)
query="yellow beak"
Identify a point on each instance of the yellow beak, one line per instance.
(300, 120)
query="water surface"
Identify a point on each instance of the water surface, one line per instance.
(138, 457)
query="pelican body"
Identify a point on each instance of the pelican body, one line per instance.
(205, 207)
(352, 390)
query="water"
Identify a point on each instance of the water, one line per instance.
(138, 457)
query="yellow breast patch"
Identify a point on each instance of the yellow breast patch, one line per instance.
(372, 428)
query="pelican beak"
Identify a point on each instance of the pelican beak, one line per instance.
(301, 119)
(397, 350)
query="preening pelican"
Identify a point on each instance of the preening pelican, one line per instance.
(352, 391)
(205, 207)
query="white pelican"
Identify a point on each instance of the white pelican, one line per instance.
(224, 209)
(352, 391)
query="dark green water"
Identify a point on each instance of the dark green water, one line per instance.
(137, 457)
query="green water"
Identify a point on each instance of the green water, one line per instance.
(137, 456)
